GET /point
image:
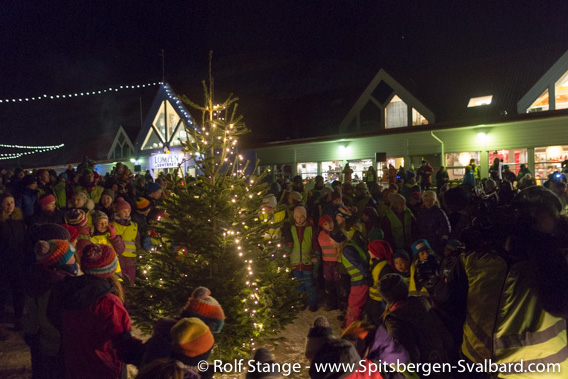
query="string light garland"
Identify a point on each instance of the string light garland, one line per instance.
(33, 150)
(77, 94)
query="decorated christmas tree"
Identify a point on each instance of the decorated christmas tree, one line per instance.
(214, 234)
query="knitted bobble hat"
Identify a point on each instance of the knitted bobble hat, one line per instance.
(191, 337)
(53, 252)
(202, 305)
(142, 204)
(97, 216)
(48, 232)
(77, 217)
(98, 260)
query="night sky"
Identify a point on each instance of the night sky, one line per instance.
(58, 47)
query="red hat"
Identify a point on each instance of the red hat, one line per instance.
(43, 201)
(380, 249)
(323, 219)
(73, 232)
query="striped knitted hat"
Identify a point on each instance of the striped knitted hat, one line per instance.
(77, 217)
(191, 337)
(206, 308)
(142, 204)
(53, 252)
(98, 260)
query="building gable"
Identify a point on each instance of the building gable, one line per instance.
(165, 123)
(550, 92)
(121, 146)
(386, 100)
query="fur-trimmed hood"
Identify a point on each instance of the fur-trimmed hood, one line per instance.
(16, 215)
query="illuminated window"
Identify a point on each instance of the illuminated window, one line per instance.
(479, 101)
(308, 170)
(417, 118)
(549, 160)
(562, 92)
(331, 170)
(541, 104)
(359, 167)
(396, 113)
(456, 162)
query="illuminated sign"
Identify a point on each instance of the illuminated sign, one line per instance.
(166, 160)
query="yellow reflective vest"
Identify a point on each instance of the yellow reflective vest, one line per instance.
(301, 252)
(128, 234)
(505, 320)
(377, 266)
(401, 232)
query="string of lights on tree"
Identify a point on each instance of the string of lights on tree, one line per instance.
(78, 94)
(32, 150)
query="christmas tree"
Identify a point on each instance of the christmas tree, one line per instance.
(215, 235)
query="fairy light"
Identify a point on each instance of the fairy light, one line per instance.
(78, 94)
(33, 150)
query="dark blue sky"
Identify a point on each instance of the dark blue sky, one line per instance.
(51, 47)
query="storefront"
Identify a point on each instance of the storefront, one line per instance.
(548, 160)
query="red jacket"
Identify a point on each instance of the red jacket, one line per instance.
(95, 328)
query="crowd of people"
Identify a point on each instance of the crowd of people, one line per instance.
(474, 273)
(70, 244)
(467, 273)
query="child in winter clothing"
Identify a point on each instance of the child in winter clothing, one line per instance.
(318, 335)
(201, 305)
(106, 203)
(424, 268)
(329, 249)
(380, 265)
(128, 232)
(47, 213)
(78, 219)
(356, 262)
(80, 200)
(104, 233)
(95, 327)
(55, 261)
(401, 263)
(192, 343)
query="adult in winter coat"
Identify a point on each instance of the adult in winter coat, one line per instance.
(13, 247)
(398, 223)
(89, 312)
(432, 223)
(412, 323)
(28, 195)
(517, 274)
